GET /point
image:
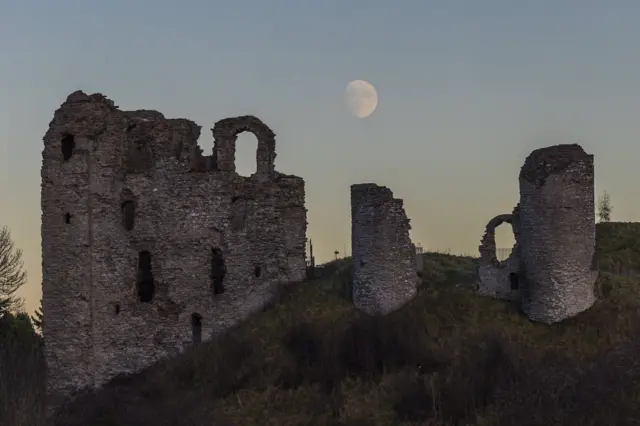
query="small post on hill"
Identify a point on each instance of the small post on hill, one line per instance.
(312, 262)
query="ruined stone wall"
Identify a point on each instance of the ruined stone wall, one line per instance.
(499, 279)
(118, 184)
(384, 258)
(557, 232)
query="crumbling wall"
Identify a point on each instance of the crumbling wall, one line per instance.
(557, 232)
(141, 234)
(384, 258)
(499, 279)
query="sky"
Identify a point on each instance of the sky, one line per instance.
(466, 90)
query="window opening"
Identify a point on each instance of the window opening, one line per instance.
(146, 285)
(67, 146)
(505, 240)
(128, 214)
(513, 280)
(218, 271)
(246, 154)
(196, 328)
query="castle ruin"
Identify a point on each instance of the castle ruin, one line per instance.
(499, 279)
(384, 258)
(551, 270)
(149, 246)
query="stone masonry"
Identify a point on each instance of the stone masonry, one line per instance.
(499, 279)
(550, 271)
(557, 232)
(149, 246)
(384, 258)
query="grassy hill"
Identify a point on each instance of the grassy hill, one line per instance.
(618, 247)
(447, 358)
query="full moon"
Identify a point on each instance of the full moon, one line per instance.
(362, 98)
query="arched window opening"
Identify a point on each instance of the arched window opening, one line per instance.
(218, 271)
(146, 285)
(128, 214)
(505, 240)
(196, 328)
(246, 154)
(68, 144)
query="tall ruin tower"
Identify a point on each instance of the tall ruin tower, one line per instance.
(148, 246)
(557, 232)
(384, 258)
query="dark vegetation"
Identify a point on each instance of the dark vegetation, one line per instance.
(22, 371)
(447, 358)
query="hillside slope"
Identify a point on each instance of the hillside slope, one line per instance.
(618, 247)
(447, 358)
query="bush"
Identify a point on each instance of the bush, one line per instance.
(22, 372)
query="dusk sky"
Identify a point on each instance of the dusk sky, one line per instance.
(466, 90)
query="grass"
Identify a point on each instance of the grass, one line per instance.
(447, 358)
(618, 246)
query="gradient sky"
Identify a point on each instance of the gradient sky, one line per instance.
(466, 90)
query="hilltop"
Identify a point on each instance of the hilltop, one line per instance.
(447, 358)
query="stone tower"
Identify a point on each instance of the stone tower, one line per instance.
(557, 232)
(384, 258)
(148, 246)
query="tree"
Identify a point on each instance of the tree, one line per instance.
(12, 273)
(605, 207)
(36, 318)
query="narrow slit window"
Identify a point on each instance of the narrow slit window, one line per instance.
(196, 328)
(218, 271)
(146, 285)
(513, 280)
(128, 214)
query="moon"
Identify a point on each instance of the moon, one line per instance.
(362, 98)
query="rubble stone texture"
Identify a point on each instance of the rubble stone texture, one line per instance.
(499, 279)
(384, 258)
(557, 232)
(149, 246)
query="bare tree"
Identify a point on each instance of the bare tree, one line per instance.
(604, 207)
(12, 273)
